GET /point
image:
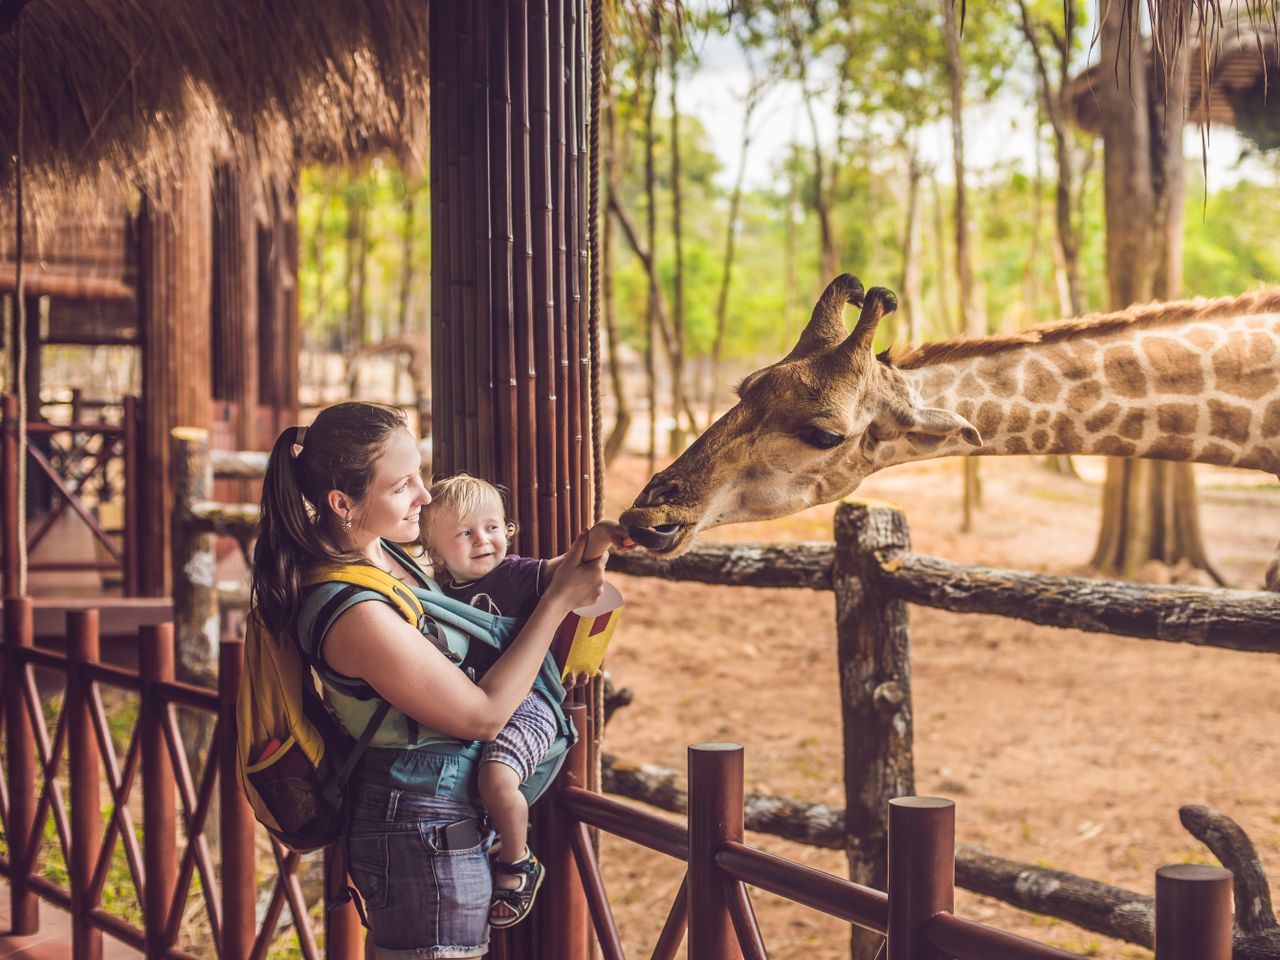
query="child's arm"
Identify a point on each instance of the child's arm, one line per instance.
(604, 535)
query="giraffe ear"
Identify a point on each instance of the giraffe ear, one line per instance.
(937, 422)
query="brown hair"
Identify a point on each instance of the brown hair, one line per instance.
(339, 451)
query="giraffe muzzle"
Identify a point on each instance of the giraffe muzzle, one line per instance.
(660, 538)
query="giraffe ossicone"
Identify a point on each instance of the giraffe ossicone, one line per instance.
(1193, 381)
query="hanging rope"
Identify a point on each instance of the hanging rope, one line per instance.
(593, 240)
(20, 304)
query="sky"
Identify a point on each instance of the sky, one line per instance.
(996, 134)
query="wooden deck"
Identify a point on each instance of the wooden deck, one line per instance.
(53, 942)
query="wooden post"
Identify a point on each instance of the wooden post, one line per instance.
(82, 774)
(568, 930)
(19, 632)
(1193, 912)
(343, 932)
(174, 297)
(9, 505)
(159, 809)
(922, 871)
(715, 815)
(130, 438)
(195, 595)
(874, 662)
(235, 820)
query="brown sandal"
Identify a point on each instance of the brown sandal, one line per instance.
(520, 899)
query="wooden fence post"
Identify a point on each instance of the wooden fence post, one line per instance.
(9, 505)
(922, 872)
(195, 593)
(874, 662)
(565, 916)
(1193, 912)
(715, 815)
(82, 774)
(159, 806)
(239, 855)
(130, 438)
(19, 632)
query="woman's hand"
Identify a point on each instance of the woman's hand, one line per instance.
(577, 583)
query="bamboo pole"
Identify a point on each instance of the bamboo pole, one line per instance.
(10, 506)
(715, 816)
(19, 634)
(82, 775)
(159, 810)
(235, 819)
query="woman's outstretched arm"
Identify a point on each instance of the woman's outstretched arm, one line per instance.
(372, 642)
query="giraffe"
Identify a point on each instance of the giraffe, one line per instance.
(1195, 380)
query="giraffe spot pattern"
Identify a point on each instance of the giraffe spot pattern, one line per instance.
(1001, 378)
(1177, 366)
(1177, 418)
(1083, 397)
(1132, 425)
(1115, 447)
(1019, 418)
(1040, 439)
(988, 418)
(1102, 418)
(1073, 364)
(1042, 385)
(1042, 416)
(1229, 421)
(1217, 453)
(1016, 445)
(1120, 365)
(970, 387)
(1202, 338)
(1065, 437)
(1271, 420)
(1237, 373)
(1169, 448)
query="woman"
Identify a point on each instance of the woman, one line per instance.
(348, 488)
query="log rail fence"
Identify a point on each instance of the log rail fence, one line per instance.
(872, 572)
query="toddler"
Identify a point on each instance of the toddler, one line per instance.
(467, 533)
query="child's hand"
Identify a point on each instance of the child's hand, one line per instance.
(605, 535)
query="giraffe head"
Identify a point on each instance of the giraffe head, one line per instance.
(805, 430)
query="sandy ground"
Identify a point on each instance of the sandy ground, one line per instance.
(1061, 748)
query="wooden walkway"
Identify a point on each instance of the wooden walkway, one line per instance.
(53, 942)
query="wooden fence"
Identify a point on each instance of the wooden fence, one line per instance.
(874, 574)
(84, 458)
(1190, 917)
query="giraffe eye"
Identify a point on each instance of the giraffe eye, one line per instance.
(822, 439)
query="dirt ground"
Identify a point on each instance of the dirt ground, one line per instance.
(1060, 748)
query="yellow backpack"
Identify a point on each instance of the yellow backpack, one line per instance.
(293, 757)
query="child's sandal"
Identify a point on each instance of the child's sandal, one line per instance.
(518, 901)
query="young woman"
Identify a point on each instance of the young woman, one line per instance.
(348, 488)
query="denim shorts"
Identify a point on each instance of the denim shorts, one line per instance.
(422, 901)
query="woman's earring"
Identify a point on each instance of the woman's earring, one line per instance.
(346, 524)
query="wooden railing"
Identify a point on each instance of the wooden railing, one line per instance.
(874, 574)
(1193, 914)
(78, 759)
(114, 442)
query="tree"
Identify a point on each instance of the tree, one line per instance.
(1149, 509)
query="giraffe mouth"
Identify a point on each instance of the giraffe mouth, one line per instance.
(662, 538)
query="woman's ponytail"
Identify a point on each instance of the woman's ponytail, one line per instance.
(337, 452)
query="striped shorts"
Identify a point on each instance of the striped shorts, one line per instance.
(526, 738)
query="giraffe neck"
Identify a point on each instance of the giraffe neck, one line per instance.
(1205, 389)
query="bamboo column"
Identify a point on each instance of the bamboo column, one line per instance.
(174, 300)
(235, 301)
(509, 393)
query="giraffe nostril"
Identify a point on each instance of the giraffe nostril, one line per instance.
(657, 492)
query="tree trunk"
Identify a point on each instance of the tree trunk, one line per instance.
(1149, 510)
(650, 192)
(971, 321)
(912, 291)
(789, 250)
(943, 268)
(676, 439)
(622, 407)
(730, 240)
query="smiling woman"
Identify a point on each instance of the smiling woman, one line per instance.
(348, 490)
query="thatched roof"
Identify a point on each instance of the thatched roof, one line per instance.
(1233, 80)
(119, 89)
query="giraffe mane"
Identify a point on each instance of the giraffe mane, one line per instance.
(1094, 324)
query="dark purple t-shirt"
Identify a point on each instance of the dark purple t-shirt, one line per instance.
(511, 589)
